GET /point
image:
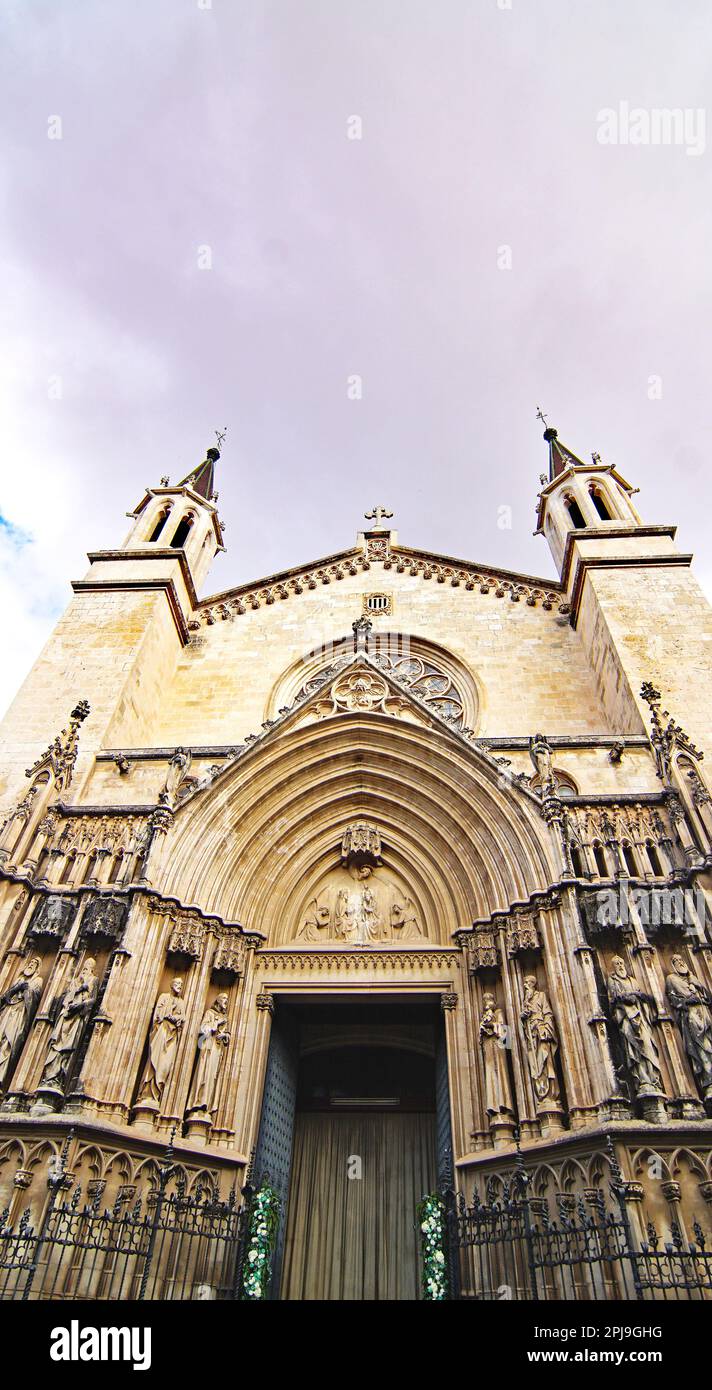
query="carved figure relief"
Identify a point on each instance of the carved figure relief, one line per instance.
(18, 1006)
(692, 1005)
(359, 904)
(166, 1024)
(178, 768)
(494, 1037)
(633, 1012)
(540, 753)
(69, 1017)
(542, 1042)
(213, 1039)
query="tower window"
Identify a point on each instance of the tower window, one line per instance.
(181, 533)
(600, 505)
(575, 513)
(160, 524)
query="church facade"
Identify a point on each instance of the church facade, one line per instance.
(366, 876)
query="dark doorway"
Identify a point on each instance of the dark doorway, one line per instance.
(353, 1120)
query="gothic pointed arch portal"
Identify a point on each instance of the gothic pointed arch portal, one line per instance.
(456, 838)
(353, 848)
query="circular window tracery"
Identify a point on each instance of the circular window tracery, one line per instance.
(431, 684)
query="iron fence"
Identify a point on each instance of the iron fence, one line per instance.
(168, 1245)
(572, 1248)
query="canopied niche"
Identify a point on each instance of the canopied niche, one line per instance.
(358, 899)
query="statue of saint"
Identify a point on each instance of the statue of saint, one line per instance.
(493, 1040)
(168, 1019)
(540, 754)
(213, 1038)
(404, 921)
(69, 1016)
(316, 924)
(360, 906)
(692, 1006)
(18, 1006)
(633, 1012)
(541, 1041)
(178, 768)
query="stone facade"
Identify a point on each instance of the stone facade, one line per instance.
(333, 783)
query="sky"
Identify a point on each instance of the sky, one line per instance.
(370, 237)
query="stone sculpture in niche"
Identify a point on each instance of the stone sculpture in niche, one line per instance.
(633, 1012)
(692, 1006)
(168, 1019)
(540, 753)
(69, 1016)
(359, 905)
(542, 1043)
(18, 1006)
(494, 1041)
(213, 1038)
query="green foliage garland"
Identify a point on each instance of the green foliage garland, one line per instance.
(261, 1240)
(433, 1245)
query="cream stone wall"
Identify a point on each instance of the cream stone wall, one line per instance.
(116, 649)
(650, 624)
(527, 662)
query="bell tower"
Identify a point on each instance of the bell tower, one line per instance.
(582, 497)
(117, 644)
(636, 605)
(181, 519)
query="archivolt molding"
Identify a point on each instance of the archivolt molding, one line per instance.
(465, 843)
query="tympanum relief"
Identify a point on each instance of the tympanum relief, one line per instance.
(359, 903)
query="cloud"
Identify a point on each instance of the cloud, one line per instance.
(228, 127)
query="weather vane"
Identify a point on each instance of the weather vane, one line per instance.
(541, 416)
(220, 435)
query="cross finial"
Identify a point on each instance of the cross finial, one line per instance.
(541, 416)
(220, 435)
(376, 516)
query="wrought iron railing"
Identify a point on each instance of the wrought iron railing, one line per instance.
(574, 1248)
(167, 1245)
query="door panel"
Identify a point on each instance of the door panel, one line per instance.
(273, 1157)
(443, 1129)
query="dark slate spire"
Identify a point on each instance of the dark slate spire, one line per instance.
(560, 456)
(202, 479)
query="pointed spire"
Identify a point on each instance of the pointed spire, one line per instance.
(560, 456)
(202, 479)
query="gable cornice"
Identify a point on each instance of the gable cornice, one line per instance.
(377, 551)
